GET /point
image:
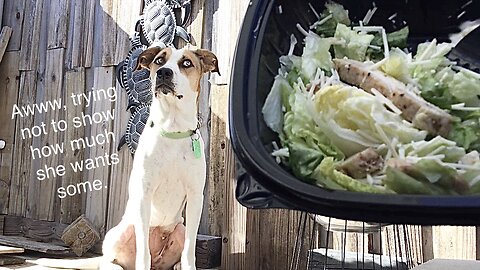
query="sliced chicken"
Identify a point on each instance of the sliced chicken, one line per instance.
(359, 165)
(419, 112)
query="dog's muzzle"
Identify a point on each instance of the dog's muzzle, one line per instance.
(164, 82)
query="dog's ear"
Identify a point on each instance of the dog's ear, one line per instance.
(146, 57)
(208, 59)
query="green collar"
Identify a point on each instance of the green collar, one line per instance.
(177, 135)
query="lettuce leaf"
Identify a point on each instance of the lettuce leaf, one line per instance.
(336, 14)
(355, 43)
(354, 120)
(467, 133)
(327, 169)
(316, 54)
(306, 142)
(272, 109)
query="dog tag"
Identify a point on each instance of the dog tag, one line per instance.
(197, 149)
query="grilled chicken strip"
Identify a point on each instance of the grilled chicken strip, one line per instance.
(419, 112)
(359, 165)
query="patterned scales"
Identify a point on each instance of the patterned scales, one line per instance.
(157, 26)
(135, 127)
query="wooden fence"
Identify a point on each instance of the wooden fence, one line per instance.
(60, 47)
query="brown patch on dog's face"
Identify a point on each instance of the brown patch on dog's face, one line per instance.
(176, 71)
(191, 67)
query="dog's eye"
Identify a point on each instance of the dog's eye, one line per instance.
(159, 61)
(187, 63)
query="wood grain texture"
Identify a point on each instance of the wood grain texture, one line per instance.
(36, 230)
(208, 251)
(53, 91)
(28, 244)
(4, 39)
(109, 32)
(13, 14)
(58, 24)
(21, 171)
(83, 25)
(120, 173)
(427, 243)
(71, 206)
(10, 250)
(32, 29)
(9, 85)
(126, 16)
(454, 242)
(97, 201)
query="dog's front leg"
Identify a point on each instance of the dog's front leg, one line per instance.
(142, 231)
(193, 214)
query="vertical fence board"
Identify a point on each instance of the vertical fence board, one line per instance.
(453, 242)
(109, 32)
(126, 16)
(120, 173)
(82, 33)
(53, 91)
(9, 81)
(97, 201)
(58, 24)
(13, 13)
(21, 170)
(71, 206)
(34, 10)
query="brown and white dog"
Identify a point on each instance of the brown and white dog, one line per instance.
(168, 174)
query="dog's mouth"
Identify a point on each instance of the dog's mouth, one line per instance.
(166, 89)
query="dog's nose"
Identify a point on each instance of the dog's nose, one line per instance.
(165, 74)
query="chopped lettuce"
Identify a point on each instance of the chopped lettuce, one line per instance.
(327, 169)
(316, 55)
(354, 120)
(467, 132)
(355, 44)
(397, 39)
(332, 15)
(305, 140)
(273, 107)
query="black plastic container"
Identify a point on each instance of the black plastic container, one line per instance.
(261, 182)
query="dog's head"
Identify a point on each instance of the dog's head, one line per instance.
(176, 72)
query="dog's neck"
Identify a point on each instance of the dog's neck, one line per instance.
(171, 114)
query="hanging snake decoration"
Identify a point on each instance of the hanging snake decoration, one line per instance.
(157, 25)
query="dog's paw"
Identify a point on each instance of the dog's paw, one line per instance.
(177, 266)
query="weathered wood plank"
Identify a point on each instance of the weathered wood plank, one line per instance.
(208, 251)
(427, 243)
(81, 45)
(9, 85)
(21, 170)
(53, 91)
(227, 26)
(9, 260)
(2, 2)
(10, 250)
(109, 32)
(454, 242)
(126, 16)
(32, 25)
(13, 13)
(37, 230)
(216, 177)
(477, 245)
(4, 38)
(97, 201)
(58, 24)
(22, 242)
(71, 206)
(120, 173)
(2, 221)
